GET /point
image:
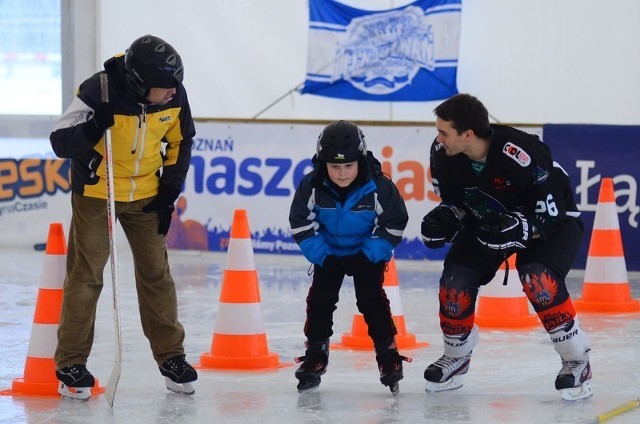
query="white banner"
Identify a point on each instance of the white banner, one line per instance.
(257, 166)
(235, 165)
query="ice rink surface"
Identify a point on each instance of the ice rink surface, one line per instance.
(511, 379)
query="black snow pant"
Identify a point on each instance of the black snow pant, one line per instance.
(371, 301)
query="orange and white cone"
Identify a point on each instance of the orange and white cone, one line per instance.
(505, 307)
(40, 370)
(239, 340)
(358, 338)
(606, 285)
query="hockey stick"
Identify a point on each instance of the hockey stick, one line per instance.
(112, 384)
(606, 416)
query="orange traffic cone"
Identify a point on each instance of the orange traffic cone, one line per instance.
(40, 370)
(358, 338)
(606, 283)
(239, 340)
(505, 307)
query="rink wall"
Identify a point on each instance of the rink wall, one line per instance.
(257, 165)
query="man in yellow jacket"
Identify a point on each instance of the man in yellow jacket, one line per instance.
(152, 133)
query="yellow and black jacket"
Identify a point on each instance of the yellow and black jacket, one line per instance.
(140, 130)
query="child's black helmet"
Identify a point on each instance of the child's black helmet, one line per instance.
(341, 142)
(152, 62)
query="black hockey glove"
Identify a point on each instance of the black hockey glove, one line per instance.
(333, 264)
(354, 263)
(441, 225)
(163, 205)
(102, 119)
(504, 233)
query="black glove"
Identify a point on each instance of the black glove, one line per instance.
(441, 225)
(102, 119)
(333, 264)
(163, 205)
(354, 263)
(504, 233)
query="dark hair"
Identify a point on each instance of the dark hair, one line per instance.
(465, 112)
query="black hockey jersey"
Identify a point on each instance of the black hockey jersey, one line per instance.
(519, 175)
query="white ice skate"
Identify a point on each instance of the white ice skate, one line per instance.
(574, 380)
(74, 393)
(182, 388)
(179, 375)
(75, 382)
(446, 373)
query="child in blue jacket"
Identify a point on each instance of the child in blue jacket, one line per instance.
(347, 216)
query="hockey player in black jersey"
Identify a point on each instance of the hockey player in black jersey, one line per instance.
(501, 193)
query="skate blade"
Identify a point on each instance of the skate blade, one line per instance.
(454, 383)
(306, 386)
(81, 394)
(182, 388)
(577, 393)
(310, 389)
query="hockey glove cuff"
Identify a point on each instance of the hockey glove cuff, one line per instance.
(441, 225)
(504, 233)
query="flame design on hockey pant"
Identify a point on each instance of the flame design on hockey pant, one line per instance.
(541, 289)
(454, 302)
(456, 310)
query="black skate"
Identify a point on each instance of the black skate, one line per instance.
(314, 364)
(390, 365)
(446, 373)
(75, 382)
(179, 375)
(574, 380)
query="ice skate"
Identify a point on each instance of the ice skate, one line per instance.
(314, 365)
(447, 373)
(179, 375)
(574, 380)
(75, 382)
(390, 365)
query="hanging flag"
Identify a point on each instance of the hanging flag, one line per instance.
(405, 54)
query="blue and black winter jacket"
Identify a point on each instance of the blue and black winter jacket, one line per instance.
(372, 217)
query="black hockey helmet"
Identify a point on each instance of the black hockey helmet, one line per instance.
(341, 142)
(152, 62)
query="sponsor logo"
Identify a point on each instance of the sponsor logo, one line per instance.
(540, 175)
(31, 178)
(517, 154)
(502, 184)
(165, 119)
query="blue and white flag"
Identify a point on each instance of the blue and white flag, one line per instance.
(404, 54)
